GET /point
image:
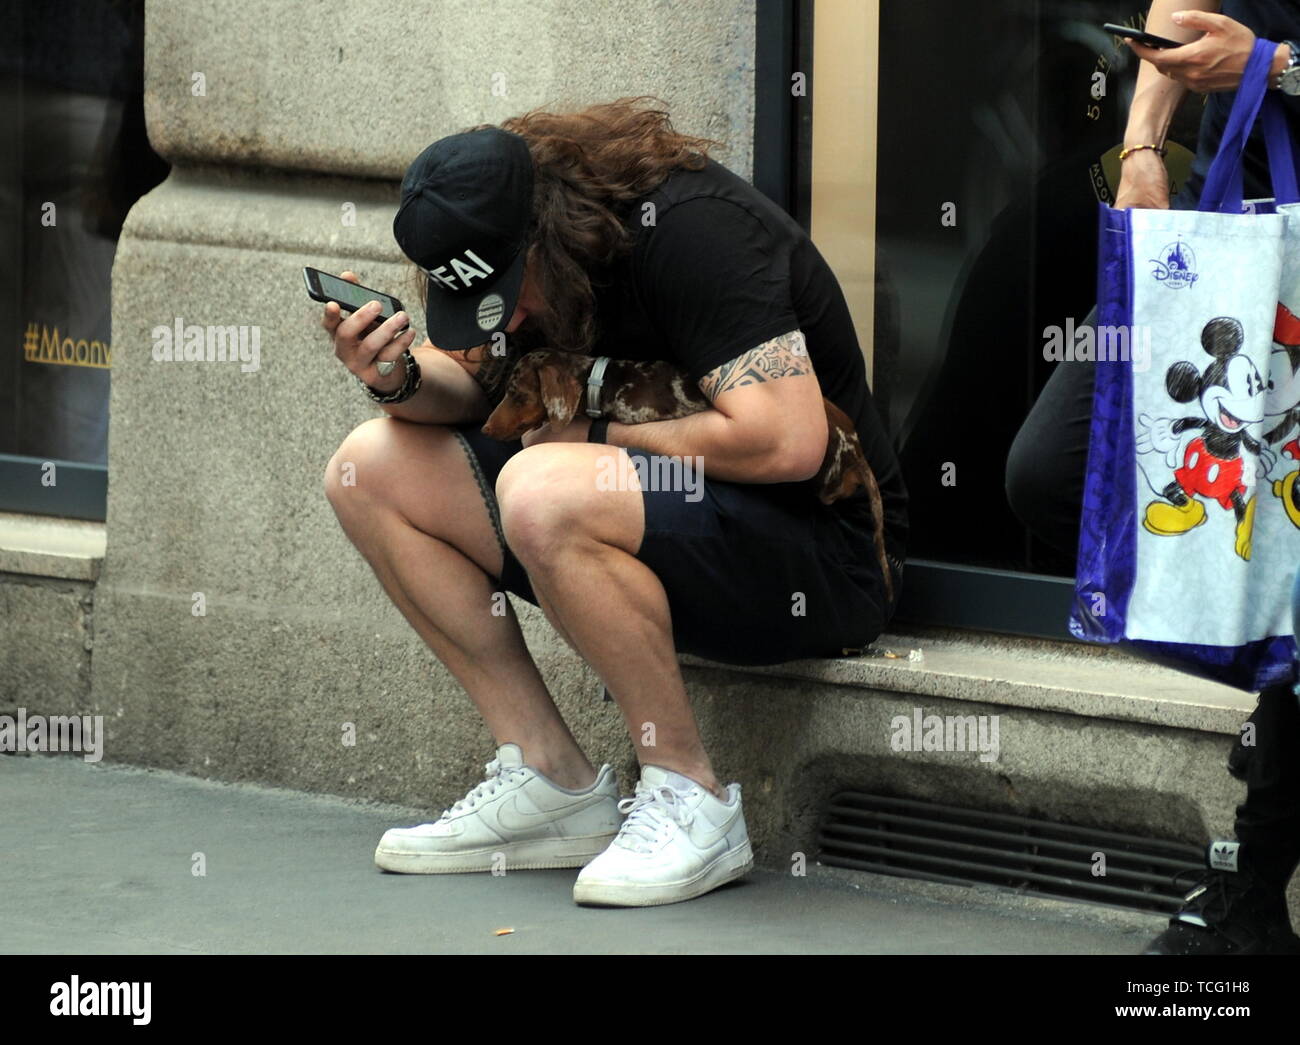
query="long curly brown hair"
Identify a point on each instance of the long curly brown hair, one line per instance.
(589, 167)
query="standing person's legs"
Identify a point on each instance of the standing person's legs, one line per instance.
(1268, 821)
(1238, 906)
(1049, 456)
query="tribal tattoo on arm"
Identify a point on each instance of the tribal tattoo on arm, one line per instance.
(782, 356)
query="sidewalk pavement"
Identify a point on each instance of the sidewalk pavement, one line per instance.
(99, 859)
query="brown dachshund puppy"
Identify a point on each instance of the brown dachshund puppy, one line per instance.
(551, 387)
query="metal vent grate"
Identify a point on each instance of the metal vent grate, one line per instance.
(941, 843)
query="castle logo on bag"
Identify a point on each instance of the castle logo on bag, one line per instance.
(1176, 266)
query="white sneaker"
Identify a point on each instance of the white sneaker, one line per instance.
(678, 842)
(516, 819)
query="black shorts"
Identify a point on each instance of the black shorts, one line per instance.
(754, 573)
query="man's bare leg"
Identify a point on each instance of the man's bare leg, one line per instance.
(418, 517)
(578, 544)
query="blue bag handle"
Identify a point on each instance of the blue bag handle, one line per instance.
(1223, 184)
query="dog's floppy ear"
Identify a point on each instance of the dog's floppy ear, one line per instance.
(510, 419)
(839, 479)
(521, 409)
(845, 466)
(561, 394)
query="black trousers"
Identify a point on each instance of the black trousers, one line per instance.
(1045, 475)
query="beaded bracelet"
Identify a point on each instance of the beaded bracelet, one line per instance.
(1124, 154)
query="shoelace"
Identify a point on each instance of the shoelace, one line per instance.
(496, 776)
(1213, 893)
(649, 812)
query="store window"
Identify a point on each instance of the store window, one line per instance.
(959, 151)
(76, 158)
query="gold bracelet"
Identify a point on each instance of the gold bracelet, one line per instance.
(1124, 154)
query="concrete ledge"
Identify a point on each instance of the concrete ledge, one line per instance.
(1151, 765)
(43, 546)
(1094, 681)
(1090, 736)
(48, 568)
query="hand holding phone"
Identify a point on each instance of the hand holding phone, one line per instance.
(376, 331)
(1214, 61)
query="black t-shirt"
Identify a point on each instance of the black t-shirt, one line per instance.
(723, 269)
(1275, 20)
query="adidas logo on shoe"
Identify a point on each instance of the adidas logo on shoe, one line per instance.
(1223, 856)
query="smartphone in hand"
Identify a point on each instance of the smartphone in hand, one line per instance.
(1137, 35)
(323, 287)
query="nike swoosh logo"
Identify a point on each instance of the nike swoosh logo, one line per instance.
(512, 818)
(707, 839)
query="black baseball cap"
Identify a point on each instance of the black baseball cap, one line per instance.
(467, 202)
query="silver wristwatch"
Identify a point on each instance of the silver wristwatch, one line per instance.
(1288, 81)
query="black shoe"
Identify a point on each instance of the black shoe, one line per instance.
(1231, 910)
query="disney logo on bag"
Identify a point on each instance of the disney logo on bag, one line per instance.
(1177, 266)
